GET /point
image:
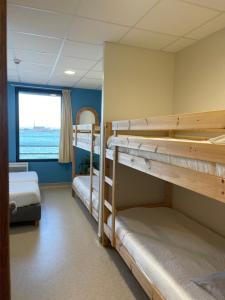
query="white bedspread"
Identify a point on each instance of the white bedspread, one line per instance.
(23, 176)
(194, 164)
(24, 193)
(82, 187)
(171, 249)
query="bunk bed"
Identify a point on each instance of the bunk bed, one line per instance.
(86, 187)
(171, 255)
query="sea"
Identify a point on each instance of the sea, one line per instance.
(39, 143)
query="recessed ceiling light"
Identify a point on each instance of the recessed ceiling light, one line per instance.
(69, 72)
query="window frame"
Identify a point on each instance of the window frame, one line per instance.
(30, 90)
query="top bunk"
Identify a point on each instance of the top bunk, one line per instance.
(186, 149)
(87, 137)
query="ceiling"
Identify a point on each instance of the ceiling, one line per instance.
(51, 36)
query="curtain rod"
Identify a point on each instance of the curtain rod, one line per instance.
(37, 87)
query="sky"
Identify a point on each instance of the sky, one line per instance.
(39, 110)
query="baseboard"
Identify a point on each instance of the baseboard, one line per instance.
(57, 185)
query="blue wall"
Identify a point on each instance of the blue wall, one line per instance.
(52, 172)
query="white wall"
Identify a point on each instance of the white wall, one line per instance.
(200, 86)
(137, 82)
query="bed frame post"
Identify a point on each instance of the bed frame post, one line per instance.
(105, 193)
(74, 152)
(115, 159)
(91, 166)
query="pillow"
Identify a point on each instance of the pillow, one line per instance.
(214, 284)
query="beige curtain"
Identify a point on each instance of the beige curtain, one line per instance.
(66, 134)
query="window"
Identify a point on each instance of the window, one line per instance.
(38, 131)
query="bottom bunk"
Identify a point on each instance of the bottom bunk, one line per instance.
(24, 193)
(81, 186)
(169, 253)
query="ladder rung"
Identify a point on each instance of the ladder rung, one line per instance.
(108, 205)
(96, 172)
(108, 180)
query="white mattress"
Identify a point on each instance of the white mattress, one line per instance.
(23, 176)
(171, 249)
(82, 187)
(24, 193)
(194, 164)
(86, 138)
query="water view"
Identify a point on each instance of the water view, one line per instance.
(39, 143)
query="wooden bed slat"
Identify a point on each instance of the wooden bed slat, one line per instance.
(86, 127)
(96, 172)
(200, 150)
(205, 184)
(108, 180)
(192, 121)
(108, 205)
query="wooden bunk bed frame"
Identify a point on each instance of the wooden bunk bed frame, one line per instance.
(90, 129)
(187, 137)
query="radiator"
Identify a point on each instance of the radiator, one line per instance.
(18, 167)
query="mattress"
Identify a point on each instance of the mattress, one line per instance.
(171, 250)
(81, 185)
(193, 164)
(86, 138)
(24, 193)
(23, 176)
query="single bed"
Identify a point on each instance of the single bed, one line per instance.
(25, 193)
(81, 186)
(166, 244)
(23, 177)
(148, 148)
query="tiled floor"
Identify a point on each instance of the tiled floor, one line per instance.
(62, 259)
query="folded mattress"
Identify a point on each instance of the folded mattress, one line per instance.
(23, 176)
(194, 164)
(24, 193)
(81, 186)
(171, 250)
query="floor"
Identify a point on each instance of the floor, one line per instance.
(62, 258)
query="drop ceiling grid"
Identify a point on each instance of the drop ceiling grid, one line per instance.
(56, 36)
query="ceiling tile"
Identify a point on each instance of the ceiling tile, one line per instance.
(59, 73)
(89, 83)
(215, 4)
(98, 66)
(147, 39)
(175, 17)
(43, 70)
(12, 75)
(124, 12)
(82, 50)
(94, 75)
(37, 22)
(9, 39)
(75, 63)
(36, 43)
(64, 80)
(31, 77)
(65, 6)
(29, 56)
(61, 83)
(95, 32)
(212, 26)
(179, 44)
